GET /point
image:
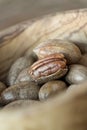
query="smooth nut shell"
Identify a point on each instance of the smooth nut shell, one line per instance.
(23, 76)
(51, 88)
(71, 52)
(24, 90)
(77, 74)
(20, 64)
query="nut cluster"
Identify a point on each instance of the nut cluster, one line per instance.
(59, 64)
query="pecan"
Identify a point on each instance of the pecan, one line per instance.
(48, 68)
(70, 50)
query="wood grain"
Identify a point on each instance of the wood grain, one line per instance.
(15, 11)
(20, 39)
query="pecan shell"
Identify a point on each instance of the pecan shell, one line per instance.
(71, 52)
(49, 68)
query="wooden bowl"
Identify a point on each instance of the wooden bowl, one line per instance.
(68, 111)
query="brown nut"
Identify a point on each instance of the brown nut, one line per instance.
(17, 67)
(51, 88)
(70, 50)
(21, 104)
(24, 90)
(2, 87)
(23, 76)
(46, 69)
(83, 60)
(77, 74)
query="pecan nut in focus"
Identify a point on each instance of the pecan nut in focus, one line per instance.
(49, 68)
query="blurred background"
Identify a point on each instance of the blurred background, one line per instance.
(15, 11)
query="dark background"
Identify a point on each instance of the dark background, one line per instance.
(14, 11)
